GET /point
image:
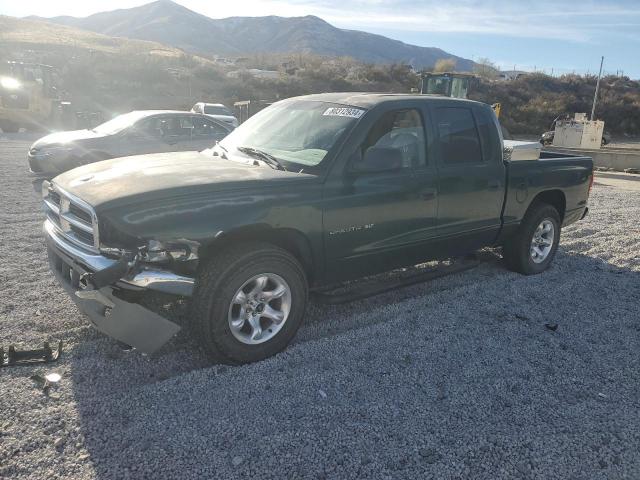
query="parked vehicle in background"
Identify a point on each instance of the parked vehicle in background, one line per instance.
(134, 133)
(29, 97)
(546, 138)
(217, 111)
(308, 192)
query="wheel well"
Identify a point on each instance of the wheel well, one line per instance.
(293, 241)
(555, 198)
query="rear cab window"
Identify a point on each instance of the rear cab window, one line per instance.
(458, 136)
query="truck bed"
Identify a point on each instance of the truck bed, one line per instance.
(568, 177)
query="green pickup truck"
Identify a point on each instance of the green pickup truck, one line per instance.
(309, 192)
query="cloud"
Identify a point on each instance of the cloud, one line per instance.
(551, 20)
(588, 21)
(559, 19)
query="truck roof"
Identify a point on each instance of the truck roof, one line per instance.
(369, 100)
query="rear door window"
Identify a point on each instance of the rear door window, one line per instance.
(458, 136)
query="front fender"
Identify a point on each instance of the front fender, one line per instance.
(206, 219)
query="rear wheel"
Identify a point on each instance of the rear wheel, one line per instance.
(532, 249)
(249, 302)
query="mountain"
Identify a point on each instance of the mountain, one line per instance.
(23, 36)
(171, 24)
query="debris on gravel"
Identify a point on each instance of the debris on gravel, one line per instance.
(454, 378)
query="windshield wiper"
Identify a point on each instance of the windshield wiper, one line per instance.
(264, 156)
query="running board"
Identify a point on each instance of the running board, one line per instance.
(376, 288)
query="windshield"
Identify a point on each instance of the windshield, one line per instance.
(217, 110)
(297, 132)
(118, 123)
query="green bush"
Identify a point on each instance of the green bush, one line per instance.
(532, 102)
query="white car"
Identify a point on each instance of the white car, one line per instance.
(217, 111)
(134, 133)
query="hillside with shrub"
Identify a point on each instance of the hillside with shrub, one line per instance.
(530, 103)
(114, 75)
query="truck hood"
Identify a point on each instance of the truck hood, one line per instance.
(60, 138)
(165, 175)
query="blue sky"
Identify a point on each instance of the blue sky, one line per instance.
(563, 35)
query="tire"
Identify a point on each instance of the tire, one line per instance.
(518, 250)
(215, 307)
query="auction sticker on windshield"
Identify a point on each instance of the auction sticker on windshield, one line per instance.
(344, 112)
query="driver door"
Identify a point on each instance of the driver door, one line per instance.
(378, 221)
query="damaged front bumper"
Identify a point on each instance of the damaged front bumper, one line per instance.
(128, 322)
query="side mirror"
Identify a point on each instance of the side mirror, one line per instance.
(379, 159)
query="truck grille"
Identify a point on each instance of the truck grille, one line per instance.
(73, 217)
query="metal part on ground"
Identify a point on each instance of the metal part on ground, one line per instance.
(14, 358)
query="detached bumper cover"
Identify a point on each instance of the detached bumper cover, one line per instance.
(128, 322)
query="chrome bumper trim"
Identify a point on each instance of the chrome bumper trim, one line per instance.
(149, 279)
(163, 281)
(91, 261)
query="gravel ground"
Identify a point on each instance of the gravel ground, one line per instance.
(457, 378)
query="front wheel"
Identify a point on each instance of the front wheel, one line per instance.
(249, 302)
(532, 249)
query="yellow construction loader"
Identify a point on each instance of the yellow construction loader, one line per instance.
(451, 84)
(29, 97)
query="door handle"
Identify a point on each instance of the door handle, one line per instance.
(494, 185)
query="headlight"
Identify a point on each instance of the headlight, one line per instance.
(53, 150)
(9, 83)
(160, 252)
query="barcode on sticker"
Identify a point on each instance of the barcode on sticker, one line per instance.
(344, 112)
